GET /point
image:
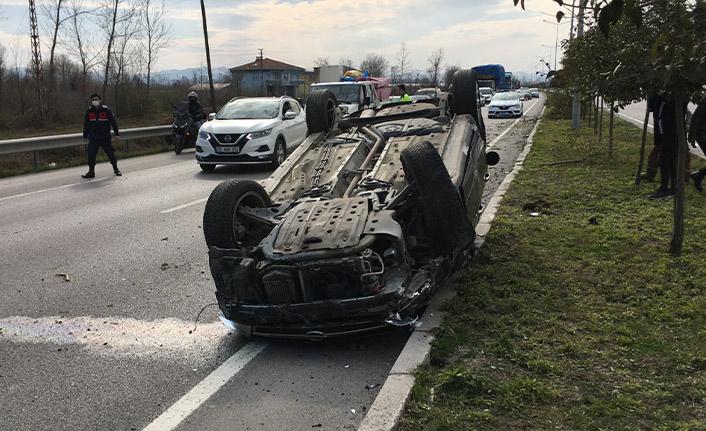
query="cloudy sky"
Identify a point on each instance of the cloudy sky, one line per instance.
(471, 32)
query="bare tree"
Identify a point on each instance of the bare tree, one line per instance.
(435, 60)
(80, 42)
(375, 64)
(403, 62)
(52, 10)
(3, 66)
(346, 61)
(125, 54)
(449, 74)
(112, 15)
(156, 33)
(321, 61)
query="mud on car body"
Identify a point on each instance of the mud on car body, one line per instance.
(358, 227)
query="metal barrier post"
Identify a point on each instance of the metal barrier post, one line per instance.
(36, 159)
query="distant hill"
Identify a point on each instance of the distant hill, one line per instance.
(172, 75)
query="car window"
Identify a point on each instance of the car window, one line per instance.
(344, 93)
(249, 109)
(505, 96)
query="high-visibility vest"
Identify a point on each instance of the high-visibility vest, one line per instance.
(405, 98)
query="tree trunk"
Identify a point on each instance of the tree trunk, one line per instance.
(610, 133)
(590, 113)
(111, 38)
(642, 146)
(57, 23)
(678, 235)
(600, 128)
(595, 115)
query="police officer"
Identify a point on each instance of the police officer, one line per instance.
(96, 131)
(196, 110)
(402, 90)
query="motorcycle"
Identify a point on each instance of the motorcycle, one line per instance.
(184, 130)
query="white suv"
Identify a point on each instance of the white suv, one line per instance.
(251, 131)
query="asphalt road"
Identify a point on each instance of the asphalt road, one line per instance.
(101, 282)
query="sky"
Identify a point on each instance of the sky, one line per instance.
(471, 32)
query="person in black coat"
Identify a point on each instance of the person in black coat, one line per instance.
(96, 132)
(196, 110)
(665, 124)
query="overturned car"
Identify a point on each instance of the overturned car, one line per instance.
(359, 226)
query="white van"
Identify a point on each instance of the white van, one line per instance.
(352, 96)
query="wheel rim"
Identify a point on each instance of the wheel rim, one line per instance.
(280, 153)
(330, 113)
(243, 230)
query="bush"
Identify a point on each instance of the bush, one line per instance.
(559, 105)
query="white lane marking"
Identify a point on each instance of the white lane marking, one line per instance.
(620, 114)
(83, 182)
(180, 410)
(196, 202)
(495, 141)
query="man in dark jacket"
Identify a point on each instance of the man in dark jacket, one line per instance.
(96, 131)
(196, 110)
(665, 123)
(697, 134)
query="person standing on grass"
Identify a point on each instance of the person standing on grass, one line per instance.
(665, 124)
(653, 158)
(96, 132)
(697, 134)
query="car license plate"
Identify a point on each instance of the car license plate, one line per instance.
(227, 149)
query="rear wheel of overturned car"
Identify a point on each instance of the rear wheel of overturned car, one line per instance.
(224, 224)
(466, 97)
(320, 111)
(443, 213)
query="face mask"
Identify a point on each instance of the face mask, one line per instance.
(95, 102)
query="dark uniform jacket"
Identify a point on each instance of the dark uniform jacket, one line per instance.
(196, 111)
(697, 127)
(98, 122)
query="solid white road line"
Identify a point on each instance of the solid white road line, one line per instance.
(196, 202)
(84, 182)
(180, 410)
(620, 114)
(500, 136)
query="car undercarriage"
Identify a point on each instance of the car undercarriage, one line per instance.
(357, 229)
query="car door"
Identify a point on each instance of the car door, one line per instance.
(298, 123)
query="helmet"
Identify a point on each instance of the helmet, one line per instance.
(192, 94)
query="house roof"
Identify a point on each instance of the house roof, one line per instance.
(205, 86)
(267, 64)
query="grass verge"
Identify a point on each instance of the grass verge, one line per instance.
(578, 319)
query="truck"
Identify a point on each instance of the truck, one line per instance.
(490, 76)
(354, 96)
(510, 83)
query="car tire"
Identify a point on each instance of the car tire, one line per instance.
(280, 153)
(443, 213)
(179, 144)
(466, 96)
(222, 225)
(320, 111)
(208, 168)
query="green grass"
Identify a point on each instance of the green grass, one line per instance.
(578, 319)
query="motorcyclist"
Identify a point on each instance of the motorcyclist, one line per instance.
(196, 110)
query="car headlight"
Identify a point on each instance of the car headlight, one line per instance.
(204, 135)
(260, 134)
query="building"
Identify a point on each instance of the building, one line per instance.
(267, 77)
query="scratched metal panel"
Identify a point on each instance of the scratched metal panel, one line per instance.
(324, 225)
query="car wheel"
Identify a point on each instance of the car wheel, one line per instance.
(208, 168)
(443, 213)
(224, 226)
(320, 111)
(179, 144)
(466, 96)
(280, 153)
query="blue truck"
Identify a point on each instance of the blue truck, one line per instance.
(491, 76)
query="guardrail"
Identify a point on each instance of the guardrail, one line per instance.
(37, 143)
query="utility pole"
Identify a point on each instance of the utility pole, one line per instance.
(208, 57)
(262, 74)
(576, 109)
(36, 58)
